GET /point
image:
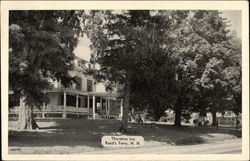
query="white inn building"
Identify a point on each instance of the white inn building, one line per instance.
(81, 100)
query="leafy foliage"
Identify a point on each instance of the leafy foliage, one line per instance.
(183, 60)
(41, 49)
(135, 43)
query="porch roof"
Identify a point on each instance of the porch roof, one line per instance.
(97, 94)
(103, 94)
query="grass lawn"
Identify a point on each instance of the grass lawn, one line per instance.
(79, 136)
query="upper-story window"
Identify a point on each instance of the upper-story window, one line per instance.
(80, 64)
(89, 85)
(78, 83)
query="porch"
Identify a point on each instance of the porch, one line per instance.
(68, 103)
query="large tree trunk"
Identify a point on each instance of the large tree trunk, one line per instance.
(26, 120)
(214, 119)
(177, 121)
(124, 122)
(237, 122)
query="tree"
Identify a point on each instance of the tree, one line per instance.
(41, 49)
(220, 59)
(132, 50)
(153, 84)
(188, 50)
(202, 52)
(233, 76)
(163, 59)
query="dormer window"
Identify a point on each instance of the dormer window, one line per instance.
(79, 63)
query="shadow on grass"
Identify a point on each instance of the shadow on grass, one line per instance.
(69, 133)
(74, 133)
(190, 141)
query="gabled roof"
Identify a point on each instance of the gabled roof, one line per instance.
(77, 57)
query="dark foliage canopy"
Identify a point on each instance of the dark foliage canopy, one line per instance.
(41, 47)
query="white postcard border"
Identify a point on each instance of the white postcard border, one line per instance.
(190, 5)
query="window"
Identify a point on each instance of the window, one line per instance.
(103, 104)
(70, 100)
(108, 103)
(78, 83)
(14, 100)
(62, 99)
(91, 102)
(79, 102)
(89, 85)
(85, 101)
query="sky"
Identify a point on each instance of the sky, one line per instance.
(233, 16)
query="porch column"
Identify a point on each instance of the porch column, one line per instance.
(64, 104)
(106, 107)
(108, 110)
(101, 103)
(88, 104)
(121, 108)
(43, 109)
(77, 105)
(93, 106)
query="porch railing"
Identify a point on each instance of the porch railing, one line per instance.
(52, 108)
